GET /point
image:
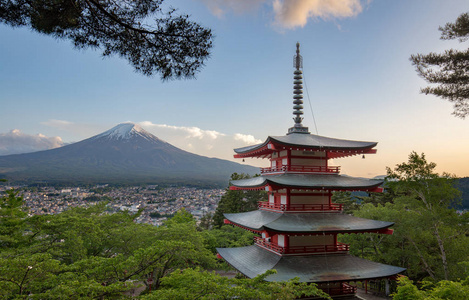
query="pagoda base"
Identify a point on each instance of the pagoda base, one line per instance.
(324, 268)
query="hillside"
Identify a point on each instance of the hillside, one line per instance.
(463, 186)
(124, 154)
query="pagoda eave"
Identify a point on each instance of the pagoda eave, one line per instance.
(265, 152)
(306, 223)
(261, 152)
(307, 142)
(253, 261)
(342, 153)
(268, 186)
(330, 182)
(385, 230)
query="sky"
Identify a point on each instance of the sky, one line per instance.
(360, 83)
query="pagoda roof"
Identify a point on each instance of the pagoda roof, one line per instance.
(254, 260)
(309, 181)
(326, 222)
(305, 141)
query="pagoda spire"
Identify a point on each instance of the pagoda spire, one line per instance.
(298, 94)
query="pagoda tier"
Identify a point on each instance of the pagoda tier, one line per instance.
(307, 181)
(300, 223)
(330, 147)
(253, 260)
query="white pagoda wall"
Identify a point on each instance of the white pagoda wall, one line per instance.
(320, 199)
(312, 240)
(308, 153)
(308, 162)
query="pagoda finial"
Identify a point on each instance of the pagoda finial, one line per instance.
(298, 58)
(298, 94)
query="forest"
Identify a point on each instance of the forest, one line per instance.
(431, 231)
(87, 253)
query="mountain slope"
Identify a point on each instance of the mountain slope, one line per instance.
(124, 154)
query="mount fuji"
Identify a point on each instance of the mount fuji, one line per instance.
(125, 154)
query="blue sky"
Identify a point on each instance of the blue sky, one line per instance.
(361, 83)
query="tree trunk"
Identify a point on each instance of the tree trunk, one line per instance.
(427, 267)
(442, 250)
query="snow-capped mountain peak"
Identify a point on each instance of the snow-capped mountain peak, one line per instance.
(126, 131)
(124, 154)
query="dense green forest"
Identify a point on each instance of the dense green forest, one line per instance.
(89, 253)
(86, 253)
(431, 239)
(463, 186)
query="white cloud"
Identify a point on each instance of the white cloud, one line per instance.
(295, 13)
(209, 143)
(292, 13)
(246, 138)
(191, 132)
(15, 142)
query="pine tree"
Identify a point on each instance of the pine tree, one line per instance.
(448, 72)
(172, 45)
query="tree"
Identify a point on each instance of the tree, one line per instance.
(430, 239)
(237, 201)
(428, 197)
(227, 236)
(449, 70)
(196, 284)
(11, 220)
(88, 253)
(445, 289)
(172, 46)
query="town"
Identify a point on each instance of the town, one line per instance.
(156, 204)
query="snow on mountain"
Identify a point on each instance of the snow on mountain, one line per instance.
(124, 154)
(126, 131)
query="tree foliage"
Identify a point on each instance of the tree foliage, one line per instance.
(194, 284)
(430, 239)
(227, 236)
(172, 45)
(237, 201)
(86, 253)
(353, 201)
(444, 290)
(11, 220)
(448, 72)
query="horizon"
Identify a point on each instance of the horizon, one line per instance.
(357, 71)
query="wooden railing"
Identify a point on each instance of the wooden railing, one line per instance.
(343, 289)
(268, 245)
(317, 249)
(301, 169)
(300, 207)
(300, 249)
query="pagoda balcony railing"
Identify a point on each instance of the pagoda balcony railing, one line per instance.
(300, 207)
(268, 245)
(343, 289)
(301, 169)
(340, 247)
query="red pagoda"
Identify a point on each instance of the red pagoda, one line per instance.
(299, 224)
